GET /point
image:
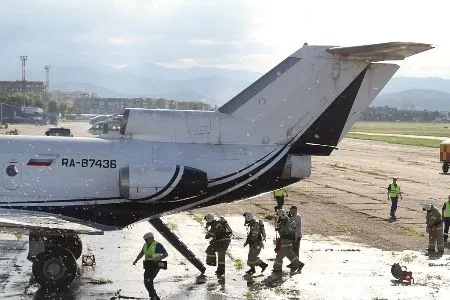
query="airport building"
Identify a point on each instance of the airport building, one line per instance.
(116, 106)
(28, 87)
(69, 97)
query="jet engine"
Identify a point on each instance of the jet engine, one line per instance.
(297, 166)
(146, 182)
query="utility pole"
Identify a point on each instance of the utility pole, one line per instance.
(47, 81)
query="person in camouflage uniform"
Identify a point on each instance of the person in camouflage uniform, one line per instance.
(286, 230)
(220, 232)
(434, 229)
(255, 236)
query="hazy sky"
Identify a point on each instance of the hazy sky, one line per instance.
(245, 34)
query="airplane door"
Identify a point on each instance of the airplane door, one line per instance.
(12, 176)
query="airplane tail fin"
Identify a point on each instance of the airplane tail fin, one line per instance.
(312, 98)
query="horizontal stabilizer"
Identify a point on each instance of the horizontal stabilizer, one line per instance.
(379, 52)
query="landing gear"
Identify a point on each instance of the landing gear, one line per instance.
(55, 268)
(70, 242)
(445, 167)
(54, 258)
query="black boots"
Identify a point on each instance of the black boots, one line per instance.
(220, 270)
(251, 271)
(263, 266)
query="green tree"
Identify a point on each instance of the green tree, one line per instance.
(38, 103)
(63, 108)
(20, 98)
(52, 106)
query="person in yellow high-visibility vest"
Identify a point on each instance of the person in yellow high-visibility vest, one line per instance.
(279, 196)
(393, 192)
(153, 252)
(446, 217)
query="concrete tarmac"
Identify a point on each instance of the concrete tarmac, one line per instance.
(333, 270)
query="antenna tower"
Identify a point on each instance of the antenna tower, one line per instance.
(23, 58)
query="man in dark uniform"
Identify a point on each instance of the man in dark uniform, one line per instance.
(286, 229)
(255, 236)
(154, 252)
(434, 229)
(220, 232)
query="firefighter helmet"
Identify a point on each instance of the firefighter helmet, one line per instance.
(427, 206)
(281, 214)
(209, 218)
(248, 216)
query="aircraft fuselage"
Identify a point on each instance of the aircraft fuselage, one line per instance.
(119, 181)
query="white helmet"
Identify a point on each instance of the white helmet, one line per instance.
(248, 216)
(148, 236)
(209, 218)
(427, 206)
(281, 214)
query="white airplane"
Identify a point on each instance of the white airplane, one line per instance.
(167, 161)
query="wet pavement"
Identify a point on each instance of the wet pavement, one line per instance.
(334, 269)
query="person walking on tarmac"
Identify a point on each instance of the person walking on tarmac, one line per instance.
(434, 229)
(286, 230)
(297, 219)
(221, 233)
(279, 196)
(393, 191)
(446, 215)
(256, 235)
(153, 252)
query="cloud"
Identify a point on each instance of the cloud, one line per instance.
(249, 34)
(127, 32)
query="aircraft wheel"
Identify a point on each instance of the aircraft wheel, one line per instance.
(55, 268)
(445, 167)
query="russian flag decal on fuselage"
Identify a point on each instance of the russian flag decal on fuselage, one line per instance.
(41, 162)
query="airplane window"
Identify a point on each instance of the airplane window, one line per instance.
(12, 170)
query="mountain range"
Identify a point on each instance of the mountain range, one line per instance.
(213, 85)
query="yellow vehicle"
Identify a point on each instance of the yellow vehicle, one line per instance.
(445, 155)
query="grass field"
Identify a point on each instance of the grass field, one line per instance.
(396, 140)
(428, 129)
(424, 129)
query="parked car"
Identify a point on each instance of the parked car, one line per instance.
(58, 132)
